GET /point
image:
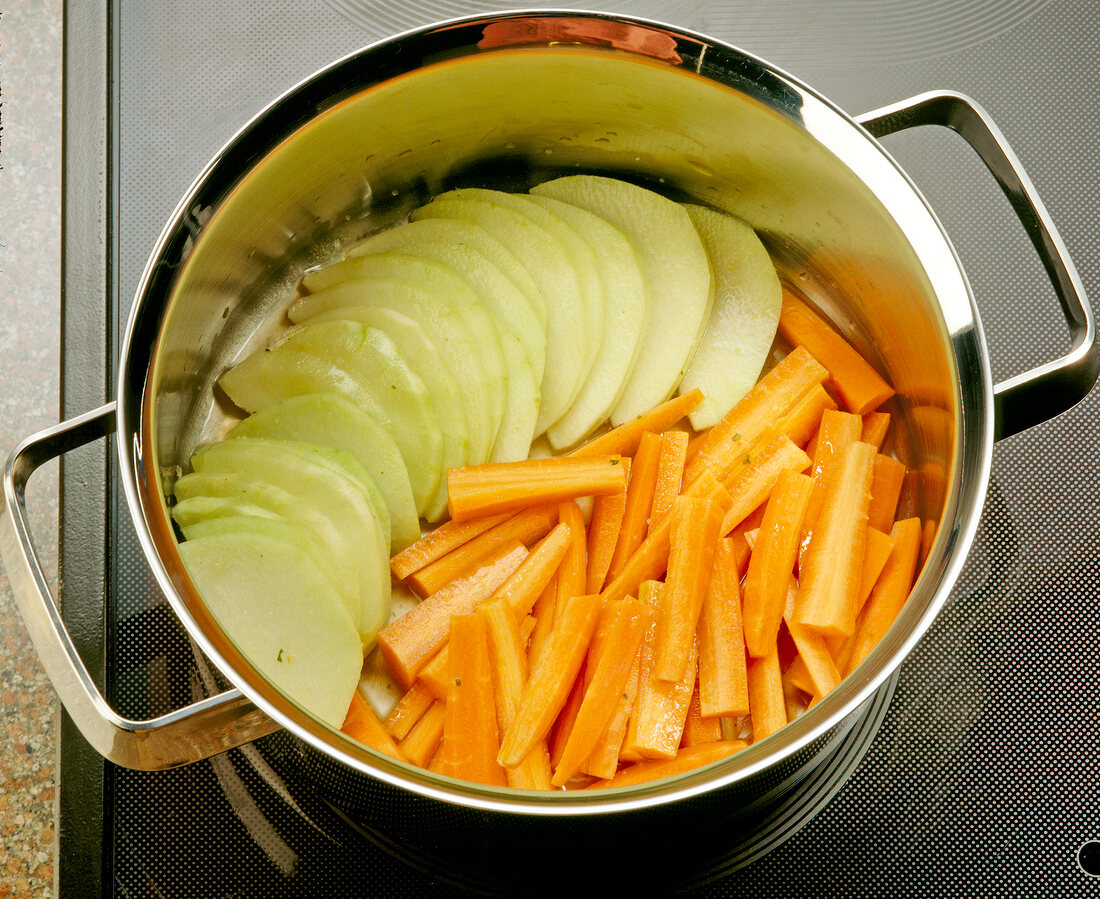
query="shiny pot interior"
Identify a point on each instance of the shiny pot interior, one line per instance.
(506, 102)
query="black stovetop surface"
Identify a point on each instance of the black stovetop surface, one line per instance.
(978, 776)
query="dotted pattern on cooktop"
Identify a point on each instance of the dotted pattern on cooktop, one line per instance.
(980, 778)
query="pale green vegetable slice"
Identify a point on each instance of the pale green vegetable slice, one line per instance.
(626, 316)
(677, 271)
(284, 614)
(744, 318)
(197, 509)
(330, 419)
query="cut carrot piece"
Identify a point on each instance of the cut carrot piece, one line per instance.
(837, 432)
(757, 412)
(407, 711)
(509, 668)
(524, 585)
(409, 642)
(603, 761)
(363, 725)
(722, 686)
(624, 439)
(858, 386)
(623, 622)
(559, 733)
(422, 742)
(603, 532)
(692, 541)
(798, 676)
(875, 427)
(879, 547)
(496, 487)
(660, 709)
(803, 421)
(833, 567)
(525, 527)
(573, 571)
(766, 703)
(434, 545)
(697, 727)
(434, 675)
(670, 472)
(544, 610)
(772, 561)
(739, 541)
(470, 733)
(886, 484)
(890, 592)
(550, 681)
(687, 759)
(751, 485)
(812, 648)
(639, 500)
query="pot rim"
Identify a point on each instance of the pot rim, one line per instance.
(824, 121)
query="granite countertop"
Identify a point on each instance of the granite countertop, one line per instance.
(30, 279)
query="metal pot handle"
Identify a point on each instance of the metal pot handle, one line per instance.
(1049, 389)
(187, 735)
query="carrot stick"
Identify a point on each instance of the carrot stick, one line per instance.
(772, 561)
(697, 727)
(603, 761)
(812, 648)
(408, 710)
(422, 742)
(544, 610)
(879, 547)
(798, 676)
(623, 633)
(573, 571)
(470, 734)
(524, 585)
(890, 592)
(660, 709)
(838, 430)
(410, 641)
(363, 725)
(559, 733)
(858, 386)
(436, 544)
(603, 532)
(803, 420)
(670, 472)
(886, 483)
(758, 411)
(875, 427)
(524, 527)
(433, 675)
(831, 572)
(692, 541)
(766, 705)
(639, 500)
(624, 439)
(751, 485)
(739, 541)
(687, 759)
(509, 667)
(722, 687)
(496, 487)
(550, 681)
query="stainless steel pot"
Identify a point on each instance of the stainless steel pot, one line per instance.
(506, 101)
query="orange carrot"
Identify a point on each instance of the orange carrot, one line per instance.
(524, 527)
(550, 681)
(758, 411)
(697, 727)
(886, 483)
(858, 386)
(436, 544)
(831, 571)
(670, 472)
(772, 561)
(408, 710)
(422, 742)
(363, 725)
(559, 732)
(410, 641)
(798, 676)
(722, 687)
(624, 439)
(523, 586)
(544, 610)
(686, 759)
(838, 430)
(812, 648)
(738, 538)
(692, 541)
(509, 668)
(639, 500)
(573, 571)
(603, 532)
(433, 675)
(604, 759)
(875, 427)
(766, 704)
(879, 547)
(802, 422)
(623, 633)
(890, 592)
(496, 487)
(470, 734)
(751, 485)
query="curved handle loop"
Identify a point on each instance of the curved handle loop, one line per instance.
(1049, 389)
(187, 735)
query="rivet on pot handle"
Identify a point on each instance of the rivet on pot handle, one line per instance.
(187, 735)
(1049, 389)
